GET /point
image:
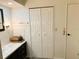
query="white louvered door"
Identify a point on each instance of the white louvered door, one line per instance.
(42, 26)
(35, 19)
(47, 32)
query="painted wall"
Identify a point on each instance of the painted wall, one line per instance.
(19, 21)
(4, 36)
(60, 21)
(23, 2)
(20, 24)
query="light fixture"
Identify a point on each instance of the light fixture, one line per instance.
(10, 3)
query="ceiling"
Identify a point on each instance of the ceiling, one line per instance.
(10, 3)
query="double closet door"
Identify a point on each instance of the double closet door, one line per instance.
(42, 25)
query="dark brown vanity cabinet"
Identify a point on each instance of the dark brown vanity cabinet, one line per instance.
(20, 53)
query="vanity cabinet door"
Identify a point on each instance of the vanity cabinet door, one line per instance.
(20, 53)
(13, 56)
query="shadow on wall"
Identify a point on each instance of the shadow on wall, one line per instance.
(22, 2)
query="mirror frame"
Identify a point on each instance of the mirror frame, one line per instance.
(2, 19)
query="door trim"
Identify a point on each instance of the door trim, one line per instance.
(66, 32)
(41, 7)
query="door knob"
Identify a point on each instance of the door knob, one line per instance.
(68, 34)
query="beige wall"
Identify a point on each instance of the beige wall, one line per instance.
(60, 19)
(73, 1)
(4, 36)
(19, 21)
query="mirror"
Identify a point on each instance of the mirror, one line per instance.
(1, 20)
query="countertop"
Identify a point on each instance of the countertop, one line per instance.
(10, 48)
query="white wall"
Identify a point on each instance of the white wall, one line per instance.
(60, 21)
(4, 36)
(19, 21)
(20, 24)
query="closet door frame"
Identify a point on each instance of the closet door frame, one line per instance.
(41, 27)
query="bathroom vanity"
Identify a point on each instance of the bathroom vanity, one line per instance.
(15, 51)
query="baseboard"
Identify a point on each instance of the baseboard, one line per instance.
(37, 58)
